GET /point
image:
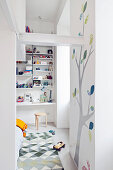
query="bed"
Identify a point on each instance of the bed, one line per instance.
(19, 140)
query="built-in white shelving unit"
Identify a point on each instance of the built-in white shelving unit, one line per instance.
(37, 75)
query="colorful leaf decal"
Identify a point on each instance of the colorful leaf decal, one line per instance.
(84, 57)
(88, 164)
(91, 90)
(73, 55)
(82, 7)
(86, 20)
(90, 136)
(91, 125)
(92, 108)
(91, 39)
(84, 168)
(79, 34)
(75, 92)
(85, 6)
(81, 16)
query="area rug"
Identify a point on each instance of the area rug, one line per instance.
(37, 153)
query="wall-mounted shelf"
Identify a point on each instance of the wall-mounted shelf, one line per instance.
(34, 104)
(39, 54)
(43, 71)
(41, 64)
(24, 75)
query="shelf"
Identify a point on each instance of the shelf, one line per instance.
(42, 71)
(24, 88)
(39, 54)
(42, 64)
(24, 75)
(42, 79)
(34, 104)
(45, 58)
(49, 86)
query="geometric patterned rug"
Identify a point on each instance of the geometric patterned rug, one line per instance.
(37, 153)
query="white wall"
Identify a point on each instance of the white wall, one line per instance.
(39, 26)
(63, 86)
(63, 26)
(104, 85)
(7, 99)
(63, 70)
(19, 11)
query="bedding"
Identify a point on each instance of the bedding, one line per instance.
(22, 125)
(19, 140)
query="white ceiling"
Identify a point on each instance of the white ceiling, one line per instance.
(46, 9)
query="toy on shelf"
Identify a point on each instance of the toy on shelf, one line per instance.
(22, 85)
(49, 76)
(28, 50)
(43, 97)
(59, 146)
(50, 68)
(50, 97)
(20, 99)
(34, 50)
(38, 62)
(37, 83)
(50, 51)
(50, 63)
(28, 29)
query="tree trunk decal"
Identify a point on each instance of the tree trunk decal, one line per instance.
(81, 64)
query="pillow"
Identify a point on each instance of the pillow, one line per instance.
(22, 125)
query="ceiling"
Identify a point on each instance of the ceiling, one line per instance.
(43, 9)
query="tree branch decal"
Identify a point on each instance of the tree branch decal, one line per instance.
(81, 64)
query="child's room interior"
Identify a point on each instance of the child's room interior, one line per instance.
(53, 103)
(43, 92)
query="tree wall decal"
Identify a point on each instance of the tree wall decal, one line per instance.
(81, 64)
(83, 18)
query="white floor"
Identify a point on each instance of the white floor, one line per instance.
(61, 135)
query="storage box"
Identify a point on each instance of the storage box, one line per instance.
(28, 67)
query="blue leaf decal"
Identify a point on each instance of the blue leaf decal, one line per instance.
(91, 90)
(81, 16)
(73, 51)
(92, 108)
(91, 125)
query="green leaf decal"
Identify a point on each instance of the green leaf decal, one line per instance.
(72, 56)
(85, 6)
(91, 39)
(86, 20)
(84, 57)
(92, 108)
(74, 94)
(82, 7)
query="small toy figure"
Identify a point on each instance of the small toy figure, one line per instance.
(50, 51)
(34, 50)
(59, 146)
(20, 99)
(28, 29)
(38, 62)
(52, 132)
